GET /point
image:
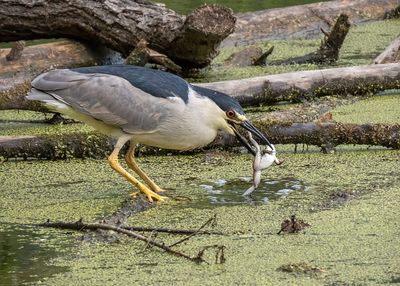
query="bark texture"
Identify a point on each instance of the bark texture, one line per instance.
(326, 135)
(294, 86)
(303, 21)
(120, 25)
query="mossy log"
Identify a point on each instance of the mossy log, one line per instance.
(16, 74)
(54, 147)
(391, 54)
(325, 134)
(296, 86)
(189, 41)
(302, 21)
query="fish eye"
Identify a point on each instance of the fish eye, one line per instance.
(230, 113)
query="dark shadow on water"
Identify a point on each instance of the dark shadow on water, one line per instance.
(222, 192)
(24, 256)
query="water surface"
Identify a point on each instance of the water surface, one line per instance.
(25, 256)
(229, 192)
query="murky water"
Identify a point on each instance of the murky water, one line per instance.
(24, 256)
(231, 192)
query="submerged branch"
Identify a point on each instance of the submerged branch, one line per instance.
(80, 226)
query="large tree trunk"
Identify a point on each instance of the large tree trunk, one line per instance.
(189, 41)
(302, 21)
(357, 80)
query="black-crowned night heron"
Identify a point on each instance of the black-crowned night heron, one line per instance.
(142, 105)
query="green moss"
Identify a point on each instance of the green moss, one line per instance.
(17, 122)
(378, 109)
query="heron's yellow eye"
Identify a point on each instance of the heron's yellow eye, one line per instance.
(231, 114)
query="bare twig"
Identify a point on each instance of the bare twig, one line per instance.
(80, 226)
(219, 255)
(172, 231)
(211, 220)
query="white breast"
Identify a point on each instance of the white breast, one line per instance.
(193, 125)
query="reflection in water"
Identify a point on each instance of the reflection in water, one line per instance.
(224, 192)
(24, 257)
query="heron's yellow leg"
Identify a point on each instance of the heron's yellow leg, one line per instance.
(130, 160)
(114, 163)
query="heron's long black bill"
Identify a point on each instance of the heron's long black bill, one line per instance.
(250, 127)
(244, 142)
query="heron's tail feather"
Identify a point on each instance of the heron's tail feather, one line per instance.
(35, 94)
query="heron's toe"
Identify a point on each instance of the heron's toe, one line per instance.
(151, 195)
(158, 190)
(157, 198)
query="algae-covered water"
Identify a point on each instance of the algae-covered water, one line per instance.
(352, 204)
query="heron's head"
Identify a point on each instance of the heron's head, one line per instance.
(234, 117)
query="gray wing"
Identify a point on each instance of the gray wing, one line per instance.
(105, 97)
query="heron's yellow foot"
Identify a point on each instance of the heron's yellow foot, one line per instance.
(151, 196)
(156, 189)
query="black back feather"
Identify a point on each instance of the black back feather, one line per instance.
(154, 82)
(162, 84)
(224, 101)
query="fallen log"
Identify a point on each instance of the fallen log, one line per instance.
(76, 145)
(391, 54)
(189, 41)
(325, 134)
(302, 21)
(16, 75)
(296, 86)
